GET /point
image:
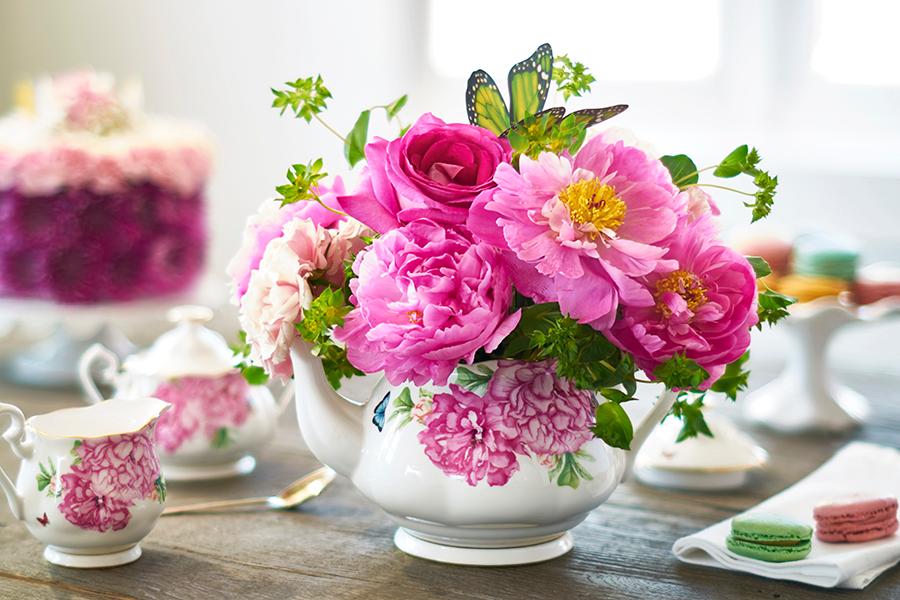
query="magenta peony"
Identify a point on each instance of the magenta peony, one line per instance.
(86, 508)
(581, 232)
(470, 436)
(704, 308)
(426, 298)
(434, 171)
(551, 414)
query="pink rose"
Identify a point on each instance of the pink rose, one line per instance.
(552, 415)
(426, 298)
(472, 437)
(434, 171)
(84, 507)
(704, 309)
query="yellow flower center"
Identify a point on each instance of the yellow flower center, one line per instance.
(414, 316)
(590, 201)
(685, 284)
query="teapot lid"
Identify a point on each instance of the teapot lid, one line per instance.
(189, 349)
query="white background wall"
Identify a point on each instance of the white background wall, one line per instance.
(834, 145)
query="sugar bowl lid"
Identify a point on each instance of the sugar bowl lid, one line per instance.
(189, 349)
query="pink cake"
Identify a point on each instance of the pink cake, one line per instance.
(98, 201)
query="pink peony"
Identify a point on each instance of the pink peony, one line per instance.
(704, 308)
(204, 404)
(472, 437)
(268, 223)
(551, 414)
(434, 171)
(84, 507)
(426, 298)
(580, 232)
(108, 476)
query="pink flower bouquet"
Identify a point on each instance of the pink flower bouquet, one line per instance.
(576, 263)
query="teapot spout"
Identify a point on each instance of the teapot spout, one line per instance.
(332, 427)
(651, 420)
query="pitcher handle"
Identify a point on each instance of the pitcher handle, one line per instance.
(660, 409)
(16, 436)
(107, 373)
(287, 393)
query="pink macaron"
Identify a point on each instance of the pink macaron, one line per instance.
(857, 519)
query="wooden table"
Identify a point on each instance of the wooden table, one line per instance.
(339, 546)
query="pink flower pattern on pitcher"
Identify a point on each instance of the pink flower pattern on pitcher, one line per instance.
(208, 405)
(108, 476)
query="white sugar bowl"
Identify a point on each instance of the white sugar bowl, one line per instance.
(217, 421)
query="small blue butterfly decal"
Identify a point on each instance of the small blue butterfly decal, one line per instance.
(378, 418)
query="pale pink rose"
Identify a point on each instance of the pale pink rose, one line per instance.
(552, 415)
(205, 404)
(472, 437)
(39, 174)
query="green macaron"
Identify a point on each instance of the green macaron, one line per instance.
(771, 538)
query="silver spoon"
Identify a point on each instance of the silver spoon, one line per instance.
(306, 488)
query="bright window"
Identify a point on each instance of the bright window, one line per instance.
(857, 42)
(662, 41)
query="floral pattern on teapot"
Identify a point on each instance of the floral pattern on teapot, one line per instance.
(108, 476)
(490, 420)
(207, 406)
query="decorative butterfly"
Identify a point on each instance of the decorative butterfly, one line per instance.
(44, 521)
(380, 409)
(529, 84)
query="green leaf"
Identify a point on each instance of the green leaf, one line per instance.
(733, 164)
(692, 421)
(306, 97)
(43, 480)
(221, 438)
(614, 395)
(161, 489)
(760, 266)
(396, 106)
(772, 307)
(302, 183)
(472, 381)
(355, 146)
(682, 169)
(571, 78)
(254, 375)
(613, 425)
(734, 379)
(680, 372)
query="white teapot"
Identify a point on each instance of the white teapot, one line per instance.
(217, 420)
(495, 472)
(89, 483)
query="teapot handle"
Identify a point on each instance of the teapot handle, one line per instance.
(651, 420)
(16, 437)
(108, 372)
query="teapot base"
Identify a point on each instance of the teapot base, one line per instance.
(72, 558)
(482, 557)
(243, 466)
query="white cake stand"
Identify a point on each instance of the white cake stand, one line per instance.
(53, 362)
(805, 396)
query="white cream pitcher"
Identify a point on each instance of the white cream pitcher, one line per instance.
(89, 485)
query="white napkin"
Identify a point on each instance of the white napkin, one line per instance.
(856, 468)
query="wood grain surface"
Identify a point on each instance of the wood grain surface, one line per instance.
(339, 546)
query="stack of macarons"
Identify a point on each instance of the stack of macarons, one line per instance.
(856, 519)
(775, 538)
(819, 265)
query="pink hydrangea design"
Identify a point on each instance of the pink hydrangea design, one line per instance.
(108, 476)
(426, 298)
(582, 231)
(201, 404)
(472, 437)
(551, 414)
(704, 309)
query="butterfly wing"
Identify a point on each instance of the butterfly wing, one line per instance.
(380, 409)
(485, 104)
(529, 83)
(557, 113)
(592, 116)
